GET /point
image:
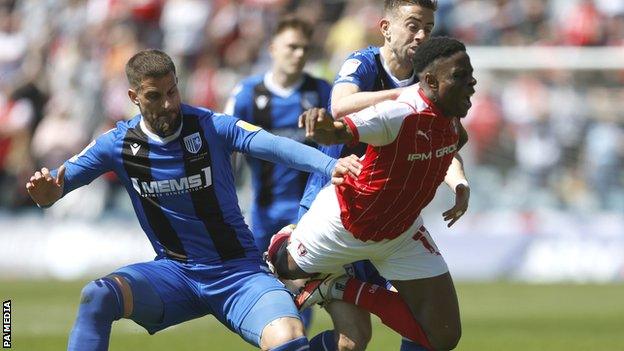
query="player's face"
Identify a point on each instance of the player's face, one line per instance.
(407, 27)
(455, 85)
(290, 50)
(159, 102)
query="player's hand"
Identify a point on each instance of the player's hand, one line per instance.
(349, 165)
(316, 119)
(462, 196)
(45, 189)
(321, 127)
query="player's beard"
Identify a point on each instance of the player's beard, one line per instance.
(165, 126)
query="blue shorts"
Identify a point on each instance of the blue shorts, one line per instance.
(239, 293)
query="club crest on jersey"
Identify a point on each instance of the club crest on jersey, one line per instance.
(193, 143)
(309, 99)
(262, 101)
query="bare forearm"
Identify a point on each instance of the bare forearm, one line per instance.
(345, 105)
(455, 174)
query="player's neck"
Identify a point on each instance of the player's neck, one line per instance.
(398, 69)
(433, 98)
(285, 80)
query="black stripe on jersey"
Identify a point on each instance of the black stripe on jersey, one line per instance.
(135, 154)
(205, 200)
(309, 85)
(262, 117)
(382, 81)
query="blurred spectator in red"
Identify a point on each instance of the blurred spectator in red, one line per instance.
(583, 25)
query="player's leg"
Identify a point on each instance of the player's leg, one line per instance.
(253, 304)
(433, 302)
(277, 320)
(352, 325)
(101, 303)
(108, 299)
(388, 305)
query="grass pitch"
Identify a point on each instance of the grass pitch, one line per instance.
(495, 316)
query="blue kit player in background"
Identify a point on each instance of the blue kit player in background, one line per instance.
(367, 77)
(274, 100)
(174, 161)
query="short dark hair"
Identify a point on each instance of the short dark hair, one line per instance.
(148, 63)
(391, 5)
(433, 49)
(293, 22)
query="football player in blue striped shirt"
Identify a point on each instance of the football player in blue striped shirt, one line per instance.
(174, 161)
(274, 100)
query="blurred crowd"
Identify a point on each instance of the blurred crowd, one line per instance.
(538, 139)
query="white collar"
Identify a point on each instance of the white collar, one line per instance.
(399, 83)
(157, 138)
(279, 90)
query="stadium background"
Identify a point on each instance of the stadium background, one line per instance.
(539, 256)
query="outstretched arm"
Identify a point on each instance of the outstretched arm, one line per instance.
(296, 155)
(347, 98)
(44, 188)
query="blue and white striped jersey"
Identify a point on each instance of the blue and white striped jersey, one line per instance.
(182, 186)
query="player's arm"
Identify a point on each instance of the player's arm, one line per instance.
(288, 152)
(46, 187)
(456, 180)
(377, 125)
(346, 98)
(256, 142)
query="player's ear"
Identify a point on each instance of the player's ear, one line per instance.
(134, 97)
(384, 27)
(431, 81)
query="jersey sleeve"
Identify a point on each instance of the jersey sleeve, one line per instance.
(94, 160)
(249, 139)
(356, 69)
(379, 124)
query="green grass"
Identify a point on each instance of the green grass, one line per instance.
(495, 316)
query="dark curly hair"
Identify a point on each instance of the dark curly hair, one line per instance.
(435, 48)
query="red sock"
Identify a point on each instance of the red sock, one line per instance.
(388, 306)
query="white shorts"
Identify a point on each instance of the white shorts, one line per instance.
(321, 244)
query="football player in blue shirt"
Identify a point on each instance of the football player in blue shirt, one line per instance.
(274, 100)
(367, 77)
(174, 161)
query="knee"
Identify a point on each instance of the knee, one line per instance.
(354, 341)
(281, 331)
(446, 339)
(100, 300)
(355, 337)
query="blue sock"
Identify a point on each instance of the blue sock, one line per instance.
(298, 344)
(306, 317)
(409, 345)
(100, 304)
(323, 341)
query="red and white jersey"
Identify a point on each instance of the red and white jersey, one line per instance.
(411, 145)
